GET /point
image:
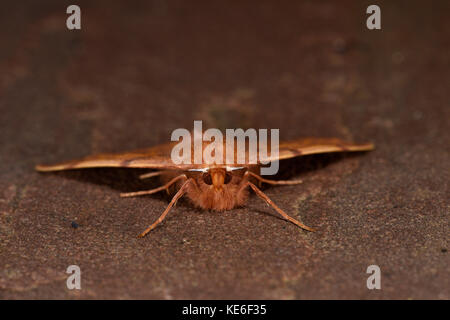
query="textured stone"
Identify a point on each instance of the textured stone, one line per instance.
(136, 72)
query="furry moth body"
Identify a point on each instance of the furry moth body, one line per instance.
(215, 187)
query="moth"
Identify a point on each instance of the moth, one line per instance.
(213, 187)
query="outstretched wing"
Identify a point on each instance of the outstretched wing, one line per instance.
(305, 146)
(157, 157)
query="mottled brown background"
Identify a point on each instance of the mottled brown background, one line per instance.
(137, 70)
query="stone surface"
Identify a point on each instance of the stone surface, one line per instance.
(135, 73)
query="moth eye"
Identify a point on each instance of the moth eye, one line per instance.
(207, 178)
(228, 178)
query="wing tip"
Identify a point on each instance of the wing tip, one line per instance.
(48, 168)
(368, 146)
(42, 168)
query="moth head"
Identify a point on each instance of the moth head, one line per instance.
(217, 178)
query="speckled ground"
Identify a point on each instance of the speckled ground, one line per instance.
(135, 73)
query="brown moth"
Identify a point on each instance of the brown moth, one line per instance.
(215, 187)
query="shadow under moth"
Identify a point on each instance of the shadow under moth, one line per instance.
(215, 187)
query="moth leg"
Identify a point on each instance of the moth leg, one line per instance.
(164, 187)
(273, 182)
(263, 196)
(150, 174)
(174, 200)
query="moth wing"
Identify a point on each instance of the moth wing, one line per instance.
(158, 157)
(305, 146)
